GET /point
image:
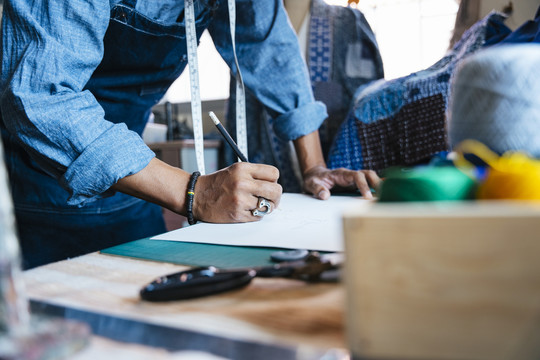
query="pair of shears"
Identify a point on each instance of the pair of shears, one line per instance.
(204, 281)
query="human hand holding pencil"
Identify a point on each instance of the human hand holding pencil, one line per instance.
(258, 180)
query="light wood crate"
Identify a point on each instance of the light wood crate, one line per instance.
(443, 280)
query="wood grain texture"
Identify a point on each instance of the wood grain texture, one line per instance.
(268, 310)
(426, 281)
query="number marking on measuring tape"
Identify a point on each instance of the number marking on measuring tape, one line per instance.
(196, 108)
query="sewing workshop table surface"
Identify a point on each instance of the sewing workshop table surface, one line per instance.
(270, 318)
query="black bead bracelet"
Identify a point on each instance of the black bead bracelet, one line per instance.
(189, 197)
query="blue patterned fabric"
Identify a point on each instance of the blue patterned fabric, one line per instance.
(403, 121)
(528, 32)
(320, 45)
(342, 55)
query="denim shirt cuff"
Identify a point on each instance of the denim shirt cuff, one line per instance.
(92, 174)
(300, 121)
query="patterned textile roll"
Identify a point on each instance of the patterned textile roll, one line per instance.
(495, 99)
(402, 122)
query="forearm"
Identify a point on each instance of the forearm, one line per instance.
(309, 152)
(159, 183)
(227, 195)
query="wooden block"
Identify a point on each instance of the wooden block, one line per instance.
(443, 280)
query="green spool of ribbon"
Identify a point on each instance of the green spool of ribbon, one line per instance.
(426, 183)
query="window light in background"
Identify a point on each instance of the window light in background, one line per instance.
(213, 76)
(412, 35)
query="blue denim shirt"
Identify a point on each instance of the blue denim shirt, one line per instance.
(75, 96)
(343, 54)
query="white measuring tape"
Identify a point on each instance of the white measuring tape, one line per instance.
(196, 108)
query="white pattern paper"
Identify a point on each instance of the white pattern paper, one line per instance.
(300, 222)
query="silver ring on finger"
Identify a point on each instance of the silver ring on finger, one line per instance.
(264, 207)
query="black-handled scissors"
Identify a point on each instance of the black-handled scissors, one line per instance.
(205, 281)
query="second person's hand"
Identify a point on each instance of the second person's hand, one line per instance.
(319, 181)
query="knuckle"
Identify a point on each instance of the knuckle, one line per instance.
(236, 167)
(241, 186)
(370, 172)
(236, 204)
(236, 217)
(235, 210)
(361, 175)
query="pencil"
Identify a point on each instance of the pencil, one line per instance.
(227, 137)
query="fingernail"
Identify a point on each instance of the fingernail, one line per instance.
(324, 194)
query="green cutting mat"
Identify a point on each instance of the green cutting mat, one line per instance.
(194, 254)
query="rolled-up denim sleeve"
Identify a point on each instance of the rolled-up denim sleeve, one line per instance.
(271, 64)
(50, 50)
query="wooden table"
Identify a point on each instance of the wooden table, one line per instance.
(269, 319)
(103, 348)
(455, 280)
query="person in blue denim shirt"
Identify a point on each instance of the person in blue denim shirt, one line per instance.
(341, 54)
(79, 79)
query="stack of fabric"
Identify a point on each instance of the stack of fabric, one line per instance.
(402, 122)
(493, 129)
(481, 102)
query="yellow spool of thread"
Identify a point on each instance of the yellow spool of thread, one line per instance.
(514, 175)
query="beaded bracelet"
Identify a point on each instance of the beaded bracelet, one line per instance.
(190, 195)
